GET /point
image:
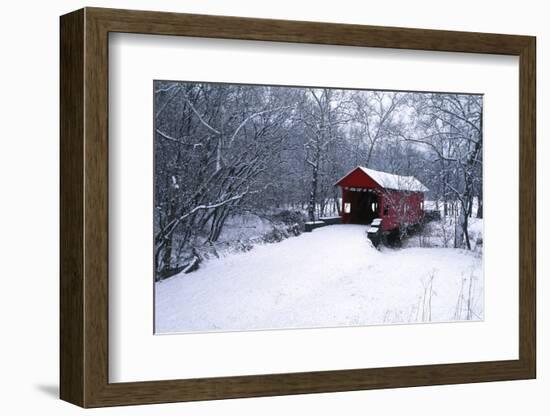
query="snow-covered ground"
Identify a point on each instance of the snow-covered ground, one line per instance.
(329, 277)
(442, 234)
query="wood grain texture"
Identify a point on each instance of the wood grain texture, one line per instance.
(71, 100)
(162, 23)
(96, 208)
(527, 207)
(84, 205)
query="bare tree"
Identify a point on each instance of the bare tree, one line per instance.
(376, 115)
(452, 130)
(215, 165)
(322, 116)
(223, 150)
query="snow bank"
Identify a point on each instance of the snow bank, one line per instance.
(330, 277)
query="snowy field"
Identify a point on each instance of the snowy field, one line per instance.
(327, 278)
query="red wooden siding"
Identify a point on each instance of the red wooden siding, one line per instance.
(358, 178)
(396, 208)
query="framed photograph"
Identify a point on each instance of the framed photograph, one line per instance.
(255, 207)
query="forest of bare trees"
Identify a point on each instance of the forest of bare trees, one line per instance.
(224, 150)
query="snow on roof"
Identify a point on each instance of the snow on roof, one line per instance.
(396, 182)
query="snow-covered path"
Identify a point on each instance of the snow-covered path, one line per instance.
(329, 277)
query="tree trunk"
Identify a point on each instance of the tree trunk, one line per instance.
(459, 230)
(313, 194)
(166, 247)
(218, 221)
(480, 203)
(465, 232)
(337, 202)
(314, 184)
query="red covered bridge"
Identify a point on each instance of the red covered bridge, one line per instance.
(368, 194)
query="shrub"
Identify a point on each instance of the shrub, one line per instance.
(291, 218)
(275, 235)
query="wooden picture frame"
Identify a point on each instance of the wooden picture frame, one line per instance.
(84, 207)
